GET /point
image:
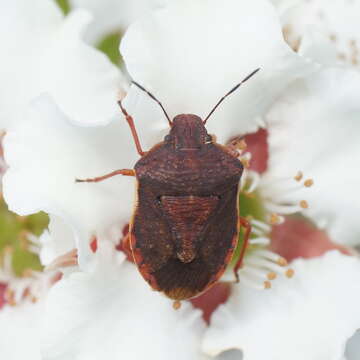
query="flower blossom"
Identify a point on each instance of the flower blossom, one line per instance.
(331, 27)
(53, 58)
(111, 16)
(307, 107)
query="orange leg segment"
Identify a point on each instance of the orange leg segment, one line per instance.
(126, 247)
(130, 121)
(246, 224)
(125, 172)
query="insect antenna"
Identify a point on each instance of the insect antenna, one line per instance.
(230, 92)
(154, 98)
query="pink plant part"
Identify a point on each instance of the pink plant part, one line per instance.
(3, 288)
(298, 238)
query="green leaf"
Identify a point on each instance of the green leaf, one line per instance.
(64, 6)
(109, 45)
(14, 234)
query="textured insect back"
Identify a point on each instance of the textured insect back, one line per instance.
(185, 225)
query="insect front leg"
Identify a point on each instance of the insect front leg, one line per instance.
(125, 172)
(126, 246)
(246, 224)
(130, 121)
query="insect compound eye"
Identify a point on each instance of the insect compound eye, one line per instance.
(167, 138)
(208, 139)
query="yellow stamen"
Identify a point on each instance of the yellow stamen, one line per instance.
(274, 219)
(267, 285)
(176, 305)
(309, 182)
(281, 261)
(304, 204)
(298, 176)
(290, 273)
(10, 297)
(271, 275)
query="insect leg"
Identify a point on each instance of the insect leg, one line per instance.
(245, 223)
(125, 172)
(126, 247)
(130, 121)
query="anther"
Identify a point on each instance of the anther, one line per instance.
(304, 204)
(281, 261)
(10, 297)
(275, 219)
(298, 176)
(289, 273)
(176, 305)
(309, 182)
(271, 275)
(267, 285)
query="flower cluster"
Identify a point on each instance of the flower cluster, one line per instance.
(294, 126)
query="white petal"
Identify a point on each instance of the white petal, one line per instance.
(59, 239)
(46, 153)
(81, 79)
(338, 20)
(283, 5)
(25, 30)
(113, 15)
(41, 52)
(308, 317)
(113, 314)
(314, 128)
(193, 52)
(318, 47)
(353, 347)
(20, 331)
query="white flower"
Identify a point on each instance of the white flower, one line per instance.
(111, 314)
(353, 347)
(42, 51)
(71, 152)
(310, 317)
(57, 240)
(189, 68)
(20, 331)
(314, 128)
(191, 53)
(113, 15)
(21, 310)
(336, 20)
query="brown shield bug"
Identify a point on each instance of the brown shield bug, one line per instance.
(186, 223)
